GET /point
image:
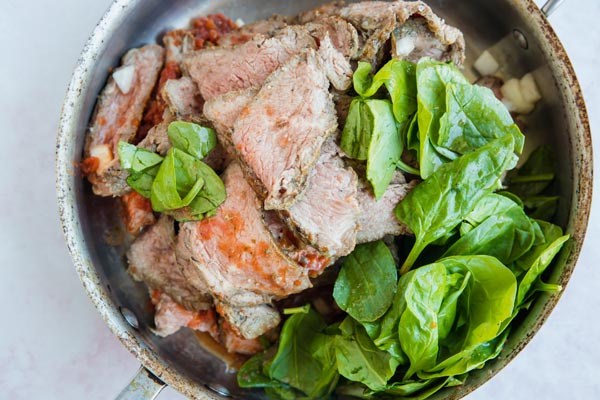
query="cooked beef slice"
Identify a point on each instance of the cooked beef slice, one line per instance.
(279, 135)
(170, 316)
(183, 98)
(152, 260)
(157, 139)
(137, 212)
(419, 37)
(321, 12)
(223, 110)
(377, 218)
(235, 343)
(267, 27)
(342, 34)
(221, 70)
(336, 66)
(155, 109)
(327, 214)
(203, 31)
(234, 253)
(249, 321)
(117, 117)
(295, 247)
(177, 44)
(412, 26)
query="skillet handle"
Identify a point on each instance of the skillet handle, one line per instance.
(144, 386)
(550, 6)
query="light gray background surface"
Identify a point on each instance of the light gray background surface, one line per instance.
(53, 343)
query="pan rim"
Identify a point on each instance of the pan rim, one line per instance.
(561, 69)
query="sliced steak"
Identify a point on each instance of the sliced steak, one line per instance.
(280, 133)
(427, 36)
(412, 26)
(321, 12)
(152, 261)
(202, 31)
(183, 98)
(342, 34)
(234, 252)
(249, 322)
(117, 117)
(295, 247)
(336, 66)
(169, 317)
(377, 218)
(327, 214)
(223, 110)
(221, 70)
(177, 44)
(157, 139)
(137, 212)
(267, 27)
(235, 343)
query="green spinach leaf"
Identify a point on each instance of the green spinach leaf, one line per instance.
(251, 374)
(440, 203)
(432, 78)
(371, 133)
(177, 182)
(385, 149)
(496, 227)
(489, 299)
(359, 360)
(294, 363)
(456, 284)
(366, 284)
(191, 138)
(399, 78)
(467, 359)
(358, 130)
(418, 326)
(208, 198)
(541, 207)
(535, 175)
(474, 117)
(538, 259)
(142, 166)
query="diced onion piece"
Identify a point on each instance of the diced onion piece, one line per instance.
(513, 97)
(529, 89)
(486, 64)
(103, 153)
(405, 46)
(123, 77)
(240, 22)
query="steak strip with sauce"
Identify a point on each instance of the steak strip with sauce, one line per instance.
(117, 118)
(221, 70)
(235, 256)
(152, 260)
(279, 135)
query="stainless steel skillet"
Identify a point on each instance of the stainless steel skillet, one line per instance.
(518, 33)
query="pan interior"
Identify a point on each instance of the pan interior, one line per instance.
(488, 24)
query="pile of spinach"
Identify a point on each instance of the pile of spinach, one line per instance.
(179, 184)
(428, 109)
(477, 260)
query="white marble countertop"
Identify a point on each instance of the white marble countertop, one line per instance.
(53, 343)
